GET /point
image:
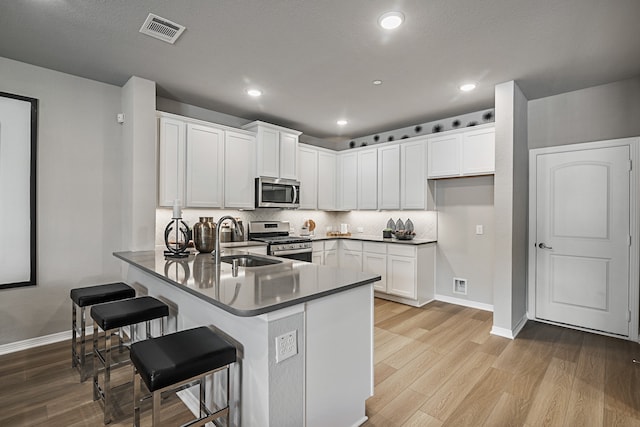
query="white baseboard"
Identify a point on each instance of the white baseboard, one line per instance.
(39, 341)
(508, 333)
(464, 302)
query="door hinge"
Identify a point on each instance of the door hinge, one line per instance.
(629, 239)
(630, 165)
(628, 316)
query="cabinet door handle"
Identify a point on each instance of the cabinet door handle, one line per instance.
(543, 246)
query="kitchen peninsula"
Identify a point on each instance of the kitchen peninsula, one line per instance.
(326, 312)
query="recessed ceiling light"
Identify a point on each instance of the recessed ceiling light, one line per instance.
(391, 20)
(342, 122)
(254, 92)
(377, 82)
(467, 87)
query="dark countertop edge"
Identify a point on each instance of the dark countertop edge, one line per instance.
(415, 242)
(246, 313)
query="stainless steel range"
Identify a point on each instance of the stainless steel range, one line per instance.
(280, 243)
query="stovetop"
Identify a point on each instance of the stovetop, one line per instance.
(273, 233)
(282, 239)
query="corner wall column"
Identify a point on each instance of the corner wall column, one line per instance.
(139, 164)
(511, 211)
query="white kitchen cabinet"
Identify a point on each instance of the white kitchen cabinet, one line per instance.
(191, 164)
(368, 179)
(444, 156)
(331, 253)
(413, 174)
(462, 153)
(347, 181)
(389, 177)
(171, 182)
(276, 150)
(327, 180)
(374, 260)
(308, 177)
(407, 271)
(239, 177)
(317, 252)
(478, 152)
(204, 166)
(350, 254)
(402, 276)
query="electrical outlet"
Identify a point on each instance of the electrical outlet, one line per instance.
(360, 229)
(479, 229)
(286, 346)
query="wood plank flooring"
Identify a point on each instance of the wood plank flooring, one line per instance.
(434, 366)
(439, 366)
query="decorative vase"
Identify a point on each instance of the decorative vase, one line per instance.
(204, 234)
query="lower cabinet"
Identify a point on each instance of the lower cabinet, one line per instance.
(325, 252)
(350, 255)
(407, 271)
(374, 260)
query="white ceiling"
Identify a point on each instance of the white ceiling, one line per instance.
(315, 59)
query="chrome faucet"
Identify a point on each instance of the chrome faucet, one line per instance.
(218, 226)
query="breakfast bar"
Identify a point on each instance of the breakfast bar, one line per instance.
(304, 331)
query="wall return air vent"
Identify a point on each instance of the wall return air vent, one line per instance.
(161, 28)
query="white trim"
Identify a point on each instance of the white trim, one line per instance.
(634, 250)
(39, 341)
(361, 421)
(508, 333)
(464, 302)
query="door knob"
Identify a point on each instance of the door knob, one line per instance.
(543, 246)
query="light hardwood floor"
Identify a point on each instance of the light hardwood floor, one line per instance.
(439, 366)
(434, 366)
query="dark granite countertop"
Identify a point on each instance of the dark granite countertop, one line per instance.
(255, 290)
(370, 238)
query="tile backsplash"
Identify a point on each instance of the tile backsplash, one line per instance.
(371, 222)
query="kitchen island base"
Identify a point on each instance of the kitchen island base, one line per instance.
(326, 381)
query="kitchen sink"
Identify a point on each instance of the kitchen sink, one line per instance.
(249, 260)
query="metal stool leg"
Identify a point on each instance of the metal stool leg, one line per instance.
(74, 360)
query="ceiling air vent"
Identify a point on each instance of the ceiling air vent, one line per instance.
(162, 29)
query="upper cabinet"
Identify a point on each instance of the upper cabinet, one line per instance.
(413, 174)
(389, 177)
(462, 153)
(327, 180)
(171, 156)
(276, 150)
(239, 176)
(347, 186)
(204, 165)
(317, 176)
(308, 177)
(368, 179)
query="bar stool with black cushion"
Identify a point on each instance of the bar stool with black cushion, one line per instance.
(83, 298)
(177, 361)
(111, 317)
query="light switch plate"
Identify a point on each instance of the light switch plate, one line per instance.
(286, 346)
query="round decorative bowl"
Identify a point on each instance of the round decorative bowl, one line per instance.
(404, 235)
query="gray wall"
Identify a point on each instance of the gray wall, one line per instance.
(462, 204)
(78, 196)
(601, 112)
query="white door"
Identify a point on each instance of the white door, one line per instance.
(582, 238)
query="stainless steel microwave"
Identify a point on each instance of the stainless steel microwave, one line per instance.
(277, 193)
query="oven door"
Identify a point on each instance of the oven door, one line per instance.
(297, 254)
(277, 193)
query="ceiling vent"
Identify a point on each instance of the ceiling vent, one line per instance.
(161, 29)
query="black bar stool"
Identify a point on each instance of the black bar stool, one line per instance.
(110, 317)
(177, 361)
(83, 298)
